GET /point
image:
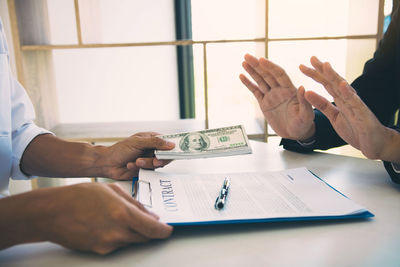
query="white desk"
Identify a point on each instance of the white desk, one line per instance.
(374, 242)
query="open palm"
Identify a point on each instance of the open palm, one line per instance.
(350, 116)
(283, 106)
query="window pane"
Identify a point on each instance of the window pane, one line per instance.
(310, 18)
(117, 84)
(228, 19)
(230, 102)
(127, 21)
(62, 22)
(347, 57)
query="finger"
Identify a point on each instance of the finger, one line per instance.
(121, 239)
(128, 197)
(132, 166)
(133, 237)
(351, 102)
(304, 104)
(332, 76)
(300, 95)
(147, 226)
(152, 142)
(313, 74)
(263, 85)
(252, 87)
(322, 104)
(278, 73)
(157, 163)
(318, 77)
(316, 63)
(262, 71)
(145, 163)
(151, 163)
(346, 91)
(147, 134)
(121, 192)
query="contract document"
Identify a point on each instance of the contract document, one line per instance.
(294, 194)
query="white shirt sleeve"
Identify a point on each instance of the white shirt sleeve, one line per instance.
(23, 128)
(20, 123)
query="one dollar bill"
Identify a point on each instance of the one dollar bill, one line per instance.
(219, 142)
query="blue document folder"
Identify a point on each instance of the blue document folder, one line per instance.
(289, 195)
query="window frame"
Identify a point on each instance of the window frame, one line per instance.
(184, 45)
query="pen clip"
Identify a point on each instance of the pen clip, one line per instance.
(144, 196)
(220, 201)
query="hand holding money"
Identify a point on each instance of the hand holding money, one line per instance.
(219, 142)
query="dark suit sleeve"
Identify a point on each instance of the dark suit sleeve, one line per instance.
(378, 86)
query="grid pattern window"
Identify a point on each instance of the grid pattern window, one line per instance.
(116, 60)
(118, 83)
(343, 32)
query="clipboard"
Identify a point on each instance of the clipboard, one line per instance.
(183, 208)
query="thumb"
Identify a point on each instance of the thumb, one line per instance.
(305, 107)
(322, 104)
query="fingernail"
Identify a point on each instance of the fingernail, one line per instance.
(170, 144)
(154, 215)
(157, 163)
(140, 162)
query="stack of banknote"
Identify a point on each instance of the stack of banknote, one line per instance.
(219, 142)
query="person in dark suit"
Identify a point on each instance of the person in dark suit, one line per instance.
(361, 115)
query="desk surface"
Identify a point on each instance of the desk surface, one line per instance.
(371, 242)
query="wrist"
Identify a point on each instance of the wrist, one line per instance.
(50, 156)
(391, 151)
(309, 136)
(98, 165)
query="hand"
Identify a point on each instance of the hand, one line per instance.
(123, 160)
(283, 106)
(96, 217)
(351, 118)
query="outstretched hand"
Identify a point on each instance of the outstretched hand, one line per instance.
(123, 160)
(350, 116)
(283, 106)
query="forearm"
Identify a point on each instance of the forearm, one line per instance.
(21, 217)
(48, 155)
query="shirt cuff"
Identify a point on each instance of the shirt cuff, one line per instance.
(306, 144)
(20, 141)
(396, 167)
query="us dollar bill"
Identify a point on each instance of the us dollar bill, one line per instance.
(219, 142)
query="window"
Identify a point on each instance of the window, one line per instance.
(295, 31)
(117, 58)
(115, 83)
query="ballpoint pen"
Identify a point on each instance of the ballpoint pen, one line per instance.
(220, 201)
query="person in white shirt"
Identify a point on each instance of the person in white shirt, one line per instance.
(88, 217)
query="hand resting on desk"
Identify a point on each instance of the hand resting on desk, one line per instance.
(86, 217)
